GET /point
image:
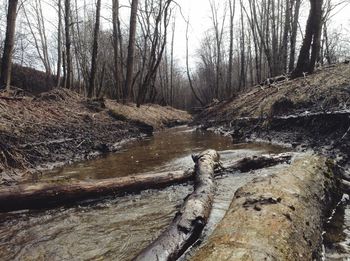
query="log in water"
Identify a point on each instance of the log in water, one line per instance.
(193, 216)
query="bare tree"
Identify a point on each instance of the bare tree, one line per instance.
(59, 44)
(311, 42)
(6, 64)
(94, 51)
(131, 51)
(188, 69)
(218, 32)
(295, 6)
(117, 46)
(232, 6)
(67, 19)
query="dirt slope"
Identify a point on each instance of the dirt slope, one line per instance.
(60, 126)
(312, 111)
(327, 89)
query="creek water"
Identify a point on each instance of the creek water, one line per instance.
(337, 233)
(117, 228)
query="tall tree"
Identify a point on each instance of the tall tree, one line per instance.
(188, 70)
(232, 5)
(117, 46)
(311, 42)
(94, 51)
(67, 19)
(295, 4)
(131, 51)
(6, 63)
(59, 44)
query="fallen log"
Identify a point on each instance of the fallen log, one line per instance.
(47, 195)
(258, 162)
(279, 217)
(191, 219)
(40, 195)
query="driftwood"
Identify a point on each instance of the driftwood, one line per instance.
(45, 195)
(191, 219)
(258, 162)
(41, 195)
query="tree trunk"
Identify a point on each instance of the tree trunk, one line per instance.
(6, 64)
(68, 45)
(116, 46)
(193, 216)
(230, 59)
(94, 51)
(131, 50)
(188, 70)
(312, 39)
(59, 44)
(172, 66)
(293, 37)
(45, 195)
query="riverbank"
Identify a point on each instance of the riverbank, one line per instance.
(60, 127)
(308, 112)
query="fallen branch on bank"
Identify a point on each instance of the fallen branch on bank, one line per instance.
(27, 196)
(258, 162)
(191, 219)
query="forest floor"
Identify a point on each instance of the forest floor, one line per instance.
(312, 111)
(60, 127)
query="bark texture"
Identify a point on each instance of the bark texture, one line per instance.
(6, 63)
(279, 217)
(191, 219)
(45, 195)
(312, 39)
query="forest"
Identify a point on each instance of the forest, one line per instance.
(174, 130)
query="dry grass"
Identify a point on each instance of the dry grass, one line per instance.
(152, 114)
(326, 89)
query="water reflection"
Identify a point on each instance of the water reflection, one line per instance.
(170, 148)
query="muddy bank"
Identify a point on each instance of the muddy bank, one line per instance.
(279, 217)
(60, 127)
(309, 112)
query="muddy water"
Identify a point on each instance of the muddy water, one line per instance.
(118, 228)
(166, 150)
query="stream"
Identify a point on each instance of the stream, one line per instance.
(117, 228)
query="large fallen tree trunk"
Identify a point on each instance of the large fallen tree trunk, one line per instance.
(191, 219)
(47, 194)
(279, 217)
